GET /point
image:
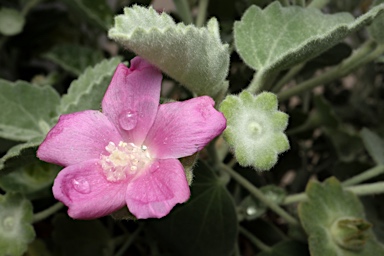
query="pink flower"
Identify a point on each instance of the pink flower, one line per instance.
(127, 155)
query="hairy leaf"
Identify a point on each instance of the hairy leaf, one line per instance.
(279, 37)
(193, 56)
(87, 91)
(26, 110)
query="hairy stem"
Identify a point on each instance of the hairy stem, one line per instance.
(287, 77)
(129, 241)
(202, 13)
(255, 241)
(368, 174)
(359, 190)
(47, 212)
(318, 3)
(363, 55)
(182, 7)
(259, 195)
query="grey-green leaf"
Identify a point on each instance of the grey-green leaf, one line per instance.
(74, 58)
(20, 155)
(88, 90)
(193, 56)
(208, 219)
(11, 22)
(16, 230)
(279, 37)
(376, 28)
(26, 110)
(374, 145)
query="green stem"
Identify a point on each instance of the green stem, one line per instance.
(368, 174)
(129, 241)
(259, 195)
(318, 3)
(202, 13)
(255, 241)
(260, 82)
(47, 212)
(287, 77)
(360, 57)
(284, 2)
(182, 7)
(359, 190)
(28, 6)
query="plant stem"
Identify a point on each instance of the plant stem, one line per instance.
(284, 2)
(255, 241)
(47, 212)
(202, 13)
(28, 6)
(259, 195)
(287, 77)
(318, 3)
(129, 241)
(368, 174)
(183, 10)
(261, 81)
(359, 190)
(361, 56)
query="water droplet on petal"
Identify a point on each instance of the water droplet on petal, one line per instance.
(128, 119)
(81, 185)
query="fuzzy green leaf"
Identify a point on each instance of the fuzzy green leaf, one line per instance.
(376, 28)
(208, 219)
(255, 129)
(328, 204)
(16, 230)
(26, 110)
(279, 37)
(193, 56)
(20, 155)
(374, 145)
(88, 90)
(30, 179)
(74, 58)
(11, 22)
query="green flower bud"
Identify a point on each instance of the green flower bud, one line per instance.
(255, 128)
(350, 233)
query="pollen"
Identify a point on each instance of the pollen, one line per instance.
(123, 160)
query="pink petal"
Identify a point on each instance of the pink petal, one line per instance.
(86, 192)
(183, 128)
(78, 137)
(132, 99)
(154, 193)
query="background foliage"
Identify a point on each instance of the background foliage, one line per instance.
(324, 61)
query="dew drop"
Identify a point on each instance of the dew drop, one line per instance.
(81, 185)
(251, 210)
(128, 119)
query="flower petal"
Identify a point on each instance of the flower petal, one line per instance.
(86, 192)
(154, 193)
(132, 99)
(78, 137)
(183, 128)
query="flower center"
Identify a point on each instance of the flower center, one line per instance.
(124, 159)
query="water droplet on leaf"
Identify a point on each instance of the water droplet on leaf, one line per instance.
(251, 210)
(128, 120)
(81, 185)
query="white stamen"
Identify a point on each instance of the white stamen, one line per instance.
(124, 159)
